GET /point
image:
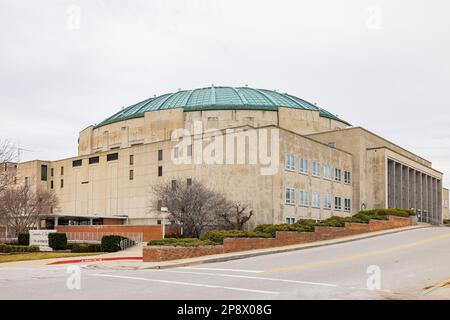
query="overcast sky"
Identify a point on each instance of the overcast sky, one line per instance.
(383, 65)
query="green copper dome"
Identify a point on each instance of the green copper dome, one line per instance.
(218, 98)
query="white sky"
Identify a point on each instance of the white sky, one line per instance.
(383, 65)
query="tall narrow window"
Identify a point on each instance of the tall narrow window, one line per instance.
(189, 181)
(160, 155)
(52, 172)
(304, 198)
(347, 177)
(131, 174)
(175, 153)
(160, 171)
(51, 184)
(62, 171)
(62, 183)
(326, 201)
(189, 150)
(174, 184)
(290, 196)
(337, 203)
(327, 172)
(131, 159)
(304, 166)
(26, 182)
(316, 169)
(337, 175)
(289, 162)
(315, 200)
(44, 172)
(347, 205)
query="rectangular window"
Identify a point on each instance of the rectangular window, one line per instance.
(26, 182)
(290, 196)
(112, 157)
(131, 174)
(347, 205)
(44, 172)
(175, 153)
(160, 171)
(304, 166)
(289, 162)
(304, 198)
(131, 159)
(337, 203)
(316, 169)
(52, 172)
(62, 183)
(174, 184)
(77, 163)
(160, 155)
(62, 171)
(316, 200)
(94, 160)
(337, 175)
(189, 182)
(189, 150)
(326, 201)
(51, 184)
(327, 172)
(347, 177)
(290, 220)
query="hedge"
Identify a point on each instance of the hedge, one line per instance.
(85, 247)
(181, 242)
(299, 226)
(446, 221)
(391, 212)
(24, 239)
(217, 236)
(112, 243)
(4, 248)
(57, 241)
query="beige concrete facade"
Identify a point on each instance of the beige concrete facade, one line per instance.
(445, 204)
(120, 162)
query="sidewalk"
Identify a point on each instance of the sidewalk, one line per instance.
(132, 257)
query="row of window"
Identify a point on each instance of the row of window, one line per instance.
(315, 200)
(289, 165)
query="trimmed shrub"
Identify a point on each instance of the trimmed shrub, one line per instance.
(24, 239)
(447, 221)
(181, 242)
(57, 241)
(17, 249)
(112, 243)
(217, 236)
(390, 212)
(299, 226)
(85, 247)
(335, 221)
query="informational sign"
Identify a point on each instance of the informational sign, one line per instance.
(40, 238)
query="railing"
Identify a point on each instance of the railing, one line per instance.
(96, 237)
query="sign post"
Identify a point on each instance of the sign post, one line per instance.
(164, 210)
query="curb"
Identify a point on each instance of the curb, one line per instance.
(277, 250)
(93, 260)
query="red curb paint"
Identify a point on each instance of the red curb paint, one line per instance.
(94, 260)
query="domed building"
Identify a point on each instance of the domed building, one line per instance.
(284, 157)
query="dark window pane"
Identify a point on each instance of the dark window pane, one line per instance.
(77, 163)
(160, 155)
(43, 172)
(160, 171)
(94, 160)
(112, 157)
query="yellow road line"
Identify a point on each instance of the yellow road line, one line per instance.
(357, 256)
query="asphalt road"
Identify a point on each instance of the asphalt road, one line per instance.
(396, 266)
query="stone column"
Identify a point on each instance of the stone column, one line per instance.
(424, 197)
(405, 187)
(391, 184)
(419, 193)
(398, 185)
(412, 188)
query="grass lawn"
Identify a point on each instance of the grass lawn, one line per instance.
(43, 255)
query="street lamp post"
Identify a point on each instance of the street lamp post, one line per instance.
(164, 210)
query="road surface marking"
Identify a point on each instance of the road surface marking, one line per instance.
(357, 256)
(250, 277)
(219, 269)
(186, 283)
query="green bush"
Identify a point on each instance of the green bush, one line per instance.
(217, 236)
(390, 212)
(335, 221)
(181, 242)
(57, 241)
(4, 248)
(85, 247)
(112, 243)
(24, 239)
(299, 226)
(447, 221)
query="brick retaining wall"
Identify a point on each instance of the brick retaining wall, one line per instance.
(282, 238)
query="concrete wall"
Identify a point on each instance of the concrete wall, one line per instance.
(445, 204)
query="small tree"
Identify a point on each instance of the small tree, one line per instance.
(236, 217)
(194, 206)
(21, 208)
(6, 159)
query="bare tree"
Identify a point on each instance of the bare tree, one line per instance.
(7, 157)
(236, 217)
(21, 208)
(194, 206)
